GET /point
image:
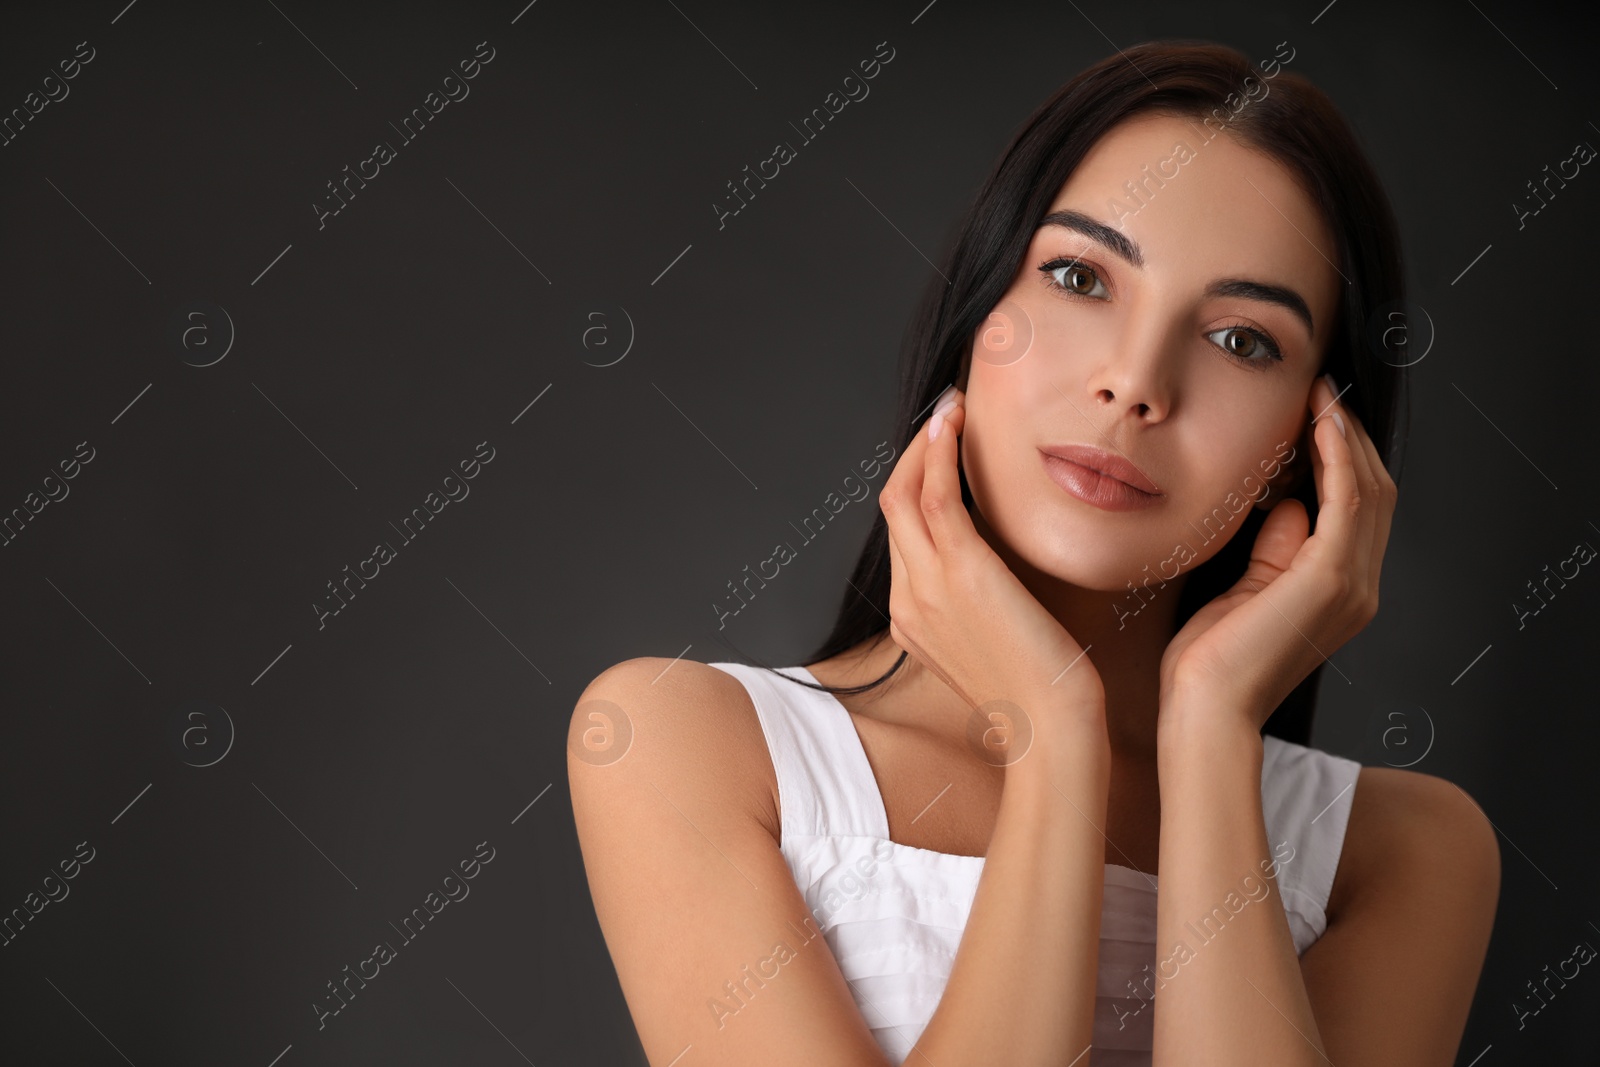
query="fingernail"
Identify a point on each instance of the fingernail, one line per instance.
(949, 392)
(1334, 389)
(1338, 420)
(936, 423)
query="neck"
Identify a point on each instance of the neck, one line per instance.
(1125, 633)
(1124, 648)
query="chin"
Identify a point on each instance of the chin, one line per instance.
(1095, 551)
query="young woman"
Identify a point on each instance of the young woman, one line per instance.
(1077, 658)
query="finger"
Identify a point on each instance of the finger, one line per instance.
(1337, 493)
(942, 509)
(1280, 537)
(1381, 488)
(900, 500)
(900, 582)
(1360, 555)
(1383, 494)
(899, 579)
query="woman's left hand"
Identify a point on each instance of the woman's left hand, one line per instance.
(1301, 597)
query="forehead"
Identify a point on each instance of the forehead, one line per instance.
(1201, 209)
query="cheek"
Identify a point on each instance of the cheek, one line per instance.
(1027, 328)
(1005, 336)
(990, 443)
(1246, 450)
(1287, 439)
(1021, 363)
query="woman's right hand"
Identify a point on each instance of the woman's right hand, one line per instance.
(954, 604)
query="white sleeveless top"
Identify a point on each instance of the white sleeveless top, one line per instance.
(892, 914)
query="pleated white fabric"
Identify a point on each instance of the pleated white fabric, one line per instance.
(893, 914)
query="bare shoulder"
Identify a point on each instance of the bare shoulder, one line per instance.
(1410, 919)
(1412, 831)
(673, 802)
(651, 719)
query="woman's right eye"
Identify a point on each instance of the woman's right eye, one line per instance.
(1073, 277)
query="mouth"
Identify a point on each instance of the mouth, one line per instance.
(1099, 478)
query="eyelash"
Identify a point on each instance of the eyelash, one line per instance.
(1048, 269)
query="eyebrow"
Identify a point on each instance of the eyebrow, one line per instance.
(1124, 247)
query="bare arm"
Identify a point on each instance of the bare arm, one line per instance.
(709, 933)
(1022, 987)
(714, 947)
(1231, 990)
(1424, 872)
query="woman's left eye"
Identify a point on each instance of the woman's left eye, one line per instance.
(1247, 344)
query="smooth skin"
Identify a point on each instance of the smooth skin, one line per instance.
(1145, 753)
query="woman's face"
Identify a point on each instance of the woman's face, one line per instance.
(1150, 364)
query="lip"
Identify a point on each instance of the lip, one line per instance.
(1098, 478)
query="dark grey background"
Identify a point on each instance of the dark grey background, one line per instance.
(454, 291)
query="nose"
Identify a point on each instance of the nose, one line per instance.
(1134, 380)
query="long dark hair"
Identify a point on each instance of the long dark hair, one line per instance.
(1296, 124)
